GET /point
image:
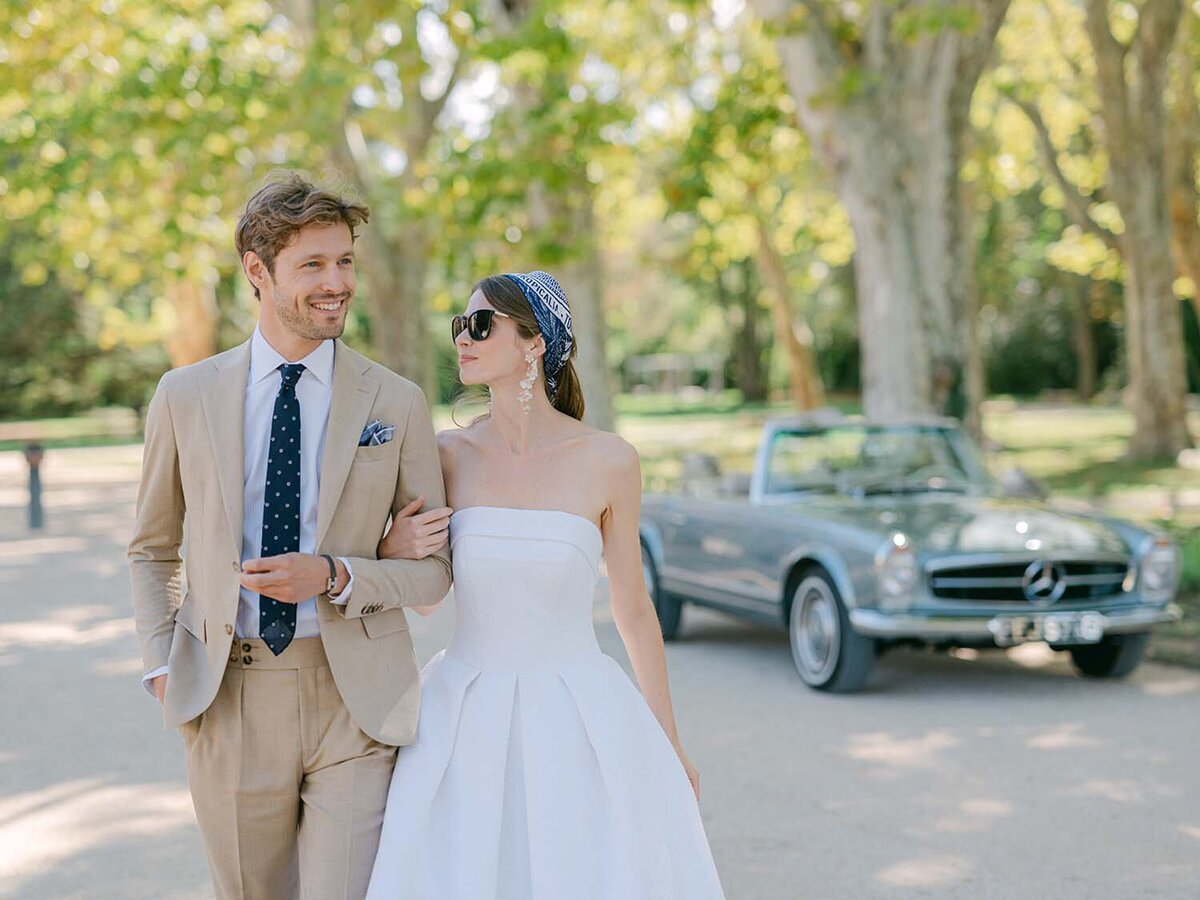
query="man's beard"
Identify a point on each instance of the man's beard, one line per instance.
(301, 326)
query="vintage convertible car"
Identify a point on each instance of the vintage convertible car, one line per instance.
(857, 536)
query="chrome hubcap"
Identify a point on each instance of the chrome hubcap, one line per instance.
(816, 631)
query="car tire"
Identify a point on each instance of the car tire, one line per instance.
(1114, 657)
(668, 607)
(828, 653)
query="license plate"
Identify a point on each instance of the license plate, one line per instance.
(1053, 628)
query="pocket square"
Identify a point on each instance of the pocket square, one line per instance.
(376, 433)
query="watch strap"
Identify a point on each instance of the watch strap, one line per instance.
(331, 584)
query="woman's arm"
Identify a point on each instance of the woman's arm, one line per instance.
(632, 609)
(414, 534)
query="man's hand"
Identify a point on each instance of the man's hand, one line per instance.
(159, 686)
(416, 535)
(289, 577)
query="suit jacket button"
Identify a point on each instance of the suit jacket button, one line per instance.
(246, 649)
(229, 629)
(233, 656)
(246, 660)
(236, 567)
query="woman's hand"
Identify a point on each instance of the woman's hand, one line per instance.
(693, 774)
(416, 535)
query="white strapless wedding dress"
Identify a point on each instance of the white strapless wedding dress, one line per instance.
(539, 772)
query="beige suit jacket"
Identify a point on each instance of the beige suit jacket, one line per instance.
(184, 557)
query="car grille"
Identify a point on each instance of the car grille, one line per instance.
(1003, 581)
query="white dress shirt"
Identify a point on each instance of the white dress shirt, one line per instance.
(314, 391)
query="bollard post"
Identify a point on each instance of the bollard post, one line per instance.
(33, 455)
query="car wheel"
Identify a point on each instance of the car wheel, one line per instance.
(1114, 657)
(828, 653)
(668, 607)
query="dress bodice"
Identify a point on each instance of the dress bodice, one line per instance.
(524, 580)
(539, 771)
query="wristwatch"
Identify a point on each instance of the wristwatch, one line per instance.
(331, 584)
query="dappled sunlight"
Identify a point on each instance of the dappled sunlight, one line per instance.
(1033, 656)
(897, 753)
(71, 627)
(24, 551)
(1067, 736)
(973, 816)
(930, 872)
(91, 497)
(43, 828)
(130, 666)
(1176, 684)
(115, 522)
(1122, 790)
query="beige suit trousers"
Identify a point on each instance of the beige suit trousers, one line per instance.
(289, 792)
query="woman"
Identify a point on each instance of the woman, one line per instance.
(539, 771)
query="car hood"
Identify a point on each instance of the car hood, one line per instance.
(971, 524)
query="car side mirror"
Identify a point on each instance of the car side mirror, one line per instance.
(1016, 482)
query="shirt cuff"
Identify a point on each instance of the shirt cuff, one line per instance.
(341, 598)
(150, 676)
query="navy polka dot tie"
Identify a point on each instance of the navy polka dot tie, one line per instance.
(281, 505)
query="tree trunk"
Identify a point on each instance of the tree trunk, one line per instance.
(394, 270)
(194, 305)
(974, 390)
(1154, 332)
(1183, 146)
(893, 148)
(1132, 105)
(791, 329)
(750, 374)
(569, 214)
(394, 267)
(582, 278)
(394, 263)
(1083, 336)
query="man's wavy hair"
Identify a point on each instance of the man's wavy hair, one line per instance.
(284, 207)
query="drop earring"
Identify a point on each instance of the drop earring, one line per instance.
(527, 383)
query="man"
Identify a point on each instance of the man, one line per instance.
(277, 642)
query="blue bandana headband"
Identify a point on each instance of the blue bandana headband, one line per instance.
(549, 305)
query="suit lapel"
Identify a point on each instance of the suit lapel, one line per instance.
(223, 399)
(350, 404)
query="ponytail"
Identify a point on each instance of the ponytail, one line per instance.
(569, 396)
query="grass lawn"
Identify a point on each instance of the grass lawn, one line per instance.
(98, 428)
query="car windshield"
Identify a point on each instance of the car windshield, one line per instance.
(870, 459)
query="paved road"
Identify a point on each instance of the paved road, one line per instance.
(991, 777)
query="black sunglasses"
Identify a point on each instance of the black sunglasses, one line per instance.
(478, 324)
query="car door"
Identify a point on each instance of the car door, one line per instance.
(726, 553)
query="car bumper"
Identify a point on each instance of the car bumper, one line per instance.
(876, 623)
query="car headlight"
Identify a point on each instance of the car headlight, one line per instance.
(897, 572)
(1158, 569)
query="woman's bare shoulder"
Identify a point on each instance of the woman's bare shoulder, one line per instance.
(454, 440)
(609, 451)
